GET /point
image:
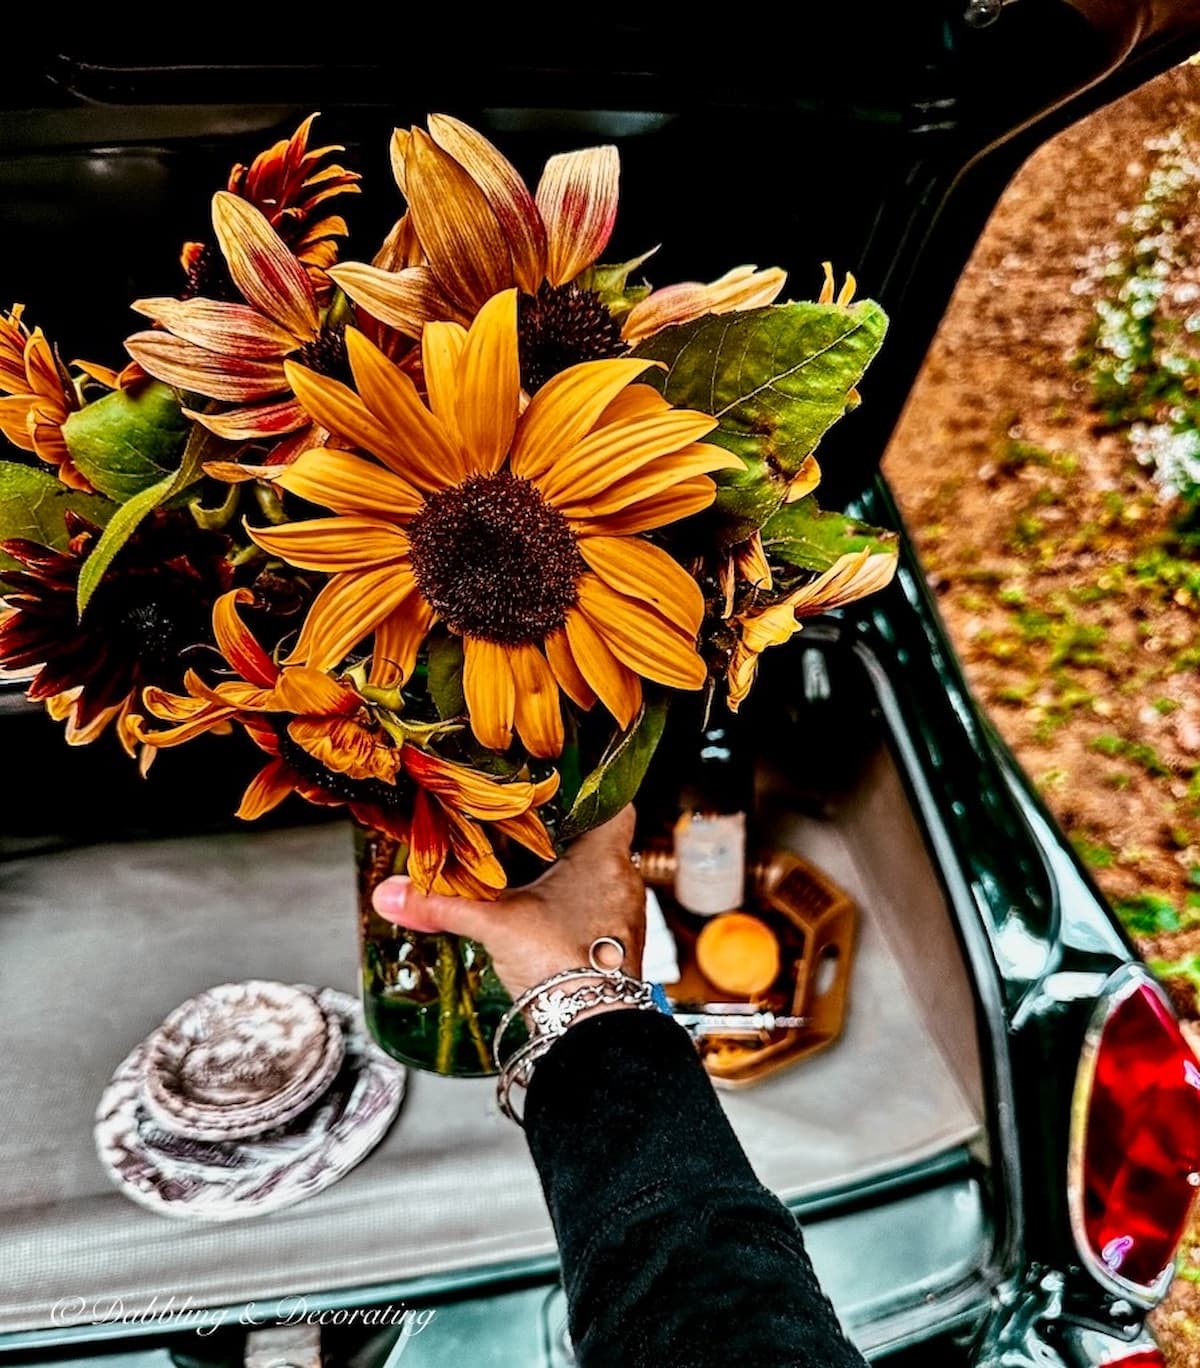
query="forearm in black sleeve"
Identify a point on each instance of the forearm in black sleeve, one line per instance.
(672, 1251)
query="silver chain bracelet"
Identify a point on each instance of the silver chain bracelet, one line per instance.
(552, 1006)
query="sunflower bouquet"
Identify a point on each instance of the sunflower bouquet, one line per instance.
(441, 532)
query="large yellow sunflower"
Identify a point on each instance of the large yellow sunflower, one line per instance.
(517, 530)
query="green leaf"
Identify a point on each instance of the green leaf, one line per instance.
(445, 675)
(777, 378)
(125, 519)
(618, 776)
(800, 534)
(611, 283)
(32, 505)
(129, 440)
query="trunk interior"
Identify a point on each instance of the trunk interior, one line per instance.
(451, 1188)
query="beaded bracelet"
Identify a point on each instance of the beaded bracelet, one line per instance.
(552, 1007)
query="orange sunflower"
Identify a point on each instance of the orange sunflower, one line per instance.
(518, 530)
(480, 231)
(325, 744)
(289, 182)
(38, 396)
(235, 352)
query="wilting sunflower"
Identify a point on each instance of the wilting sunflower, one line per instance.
(851, 577)
(292, 185)
(39, 396)
(519, 531)
(325, 744)
(480, 231)
(149, 609)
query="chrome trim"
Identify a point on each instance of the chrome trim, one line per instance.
(1121, 984)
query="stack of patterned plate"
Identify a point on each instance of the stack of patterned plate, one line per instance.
(247, 1098)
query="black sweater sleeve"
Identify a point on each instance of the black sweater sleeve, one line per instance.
(672, 1252)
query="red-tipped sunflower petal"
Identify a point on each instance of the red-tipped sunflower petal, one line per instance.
(530, 831)
(614, 684)
(269, 787)
(490, 692)
(744, 287)
(237, 643)
(566, 408)
(473, 850)
(466, 789)
(610, 453)
(656, 509)
(405, 300)
(421, 449)
(348, 484)
(333, 544)
(263, 269)
(229, 329)
(505, 192)
(642, 571)
(489, 384)
(428, 842)
(457, 227)
(346, 611)
(566, 671)
(538, 713)
(641, 638)
(345, 746)
(191, 368)
(398, 638)
(577, 199)
(257, 421)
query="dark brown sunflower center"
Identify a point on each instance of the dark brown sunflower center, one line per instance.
(341, 786)
(327, 354)
(561, 326)
(495, 560)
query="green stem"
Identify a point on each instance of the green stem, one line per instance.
(447, 986)
(471, 1017)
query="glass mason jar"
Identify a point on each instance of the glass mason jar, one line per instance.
(432, 1000)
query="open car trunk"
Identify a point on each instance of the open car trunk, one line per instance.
(98, 943)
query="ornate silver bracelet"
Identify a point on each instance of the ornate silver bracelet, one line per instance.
(552, 1006)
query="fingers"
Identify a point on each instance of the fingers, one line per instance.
(398, 900)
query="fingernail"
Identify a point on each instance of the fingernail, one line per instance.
(390, 898)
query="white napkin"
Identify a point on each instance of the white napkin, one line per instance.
(660, 962)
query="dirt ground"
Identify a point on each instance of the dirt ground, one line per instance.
(1049, 547)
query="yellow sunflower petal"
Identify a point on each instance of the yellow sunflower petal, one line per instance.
(656, 509)
(420, 448)
(634, 567)
(306, 691)
(471, 847)
(700, 458)
(530, 831)
(577, 199)
(441, 348)
(566, 408)
(461, 883)
(405, 300)
(851, 577)
(489, 384)
(612, 452)
(428, 842)
(745, 287)
(635, 401)
(348, 609)
(401, 140)
(466, 789)
(566, 671)
(456, 225)
(237, 643)
(641, 638)
(263, 268)
(490, 692)
(538, 713)
(615, 684)
(398, 638)
(269, 787)
(345, 746)
(207, 718)
(348, 484)
(333, 544)
(335, 406)
(504, 191)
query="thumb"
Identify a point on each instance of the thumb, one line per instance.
(399, 900)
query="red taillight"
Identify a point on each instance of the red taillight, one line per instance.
(1135, 1141)
(1138, 1358)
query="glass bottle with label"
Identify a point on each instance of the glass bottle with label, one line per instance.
(710, 832)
